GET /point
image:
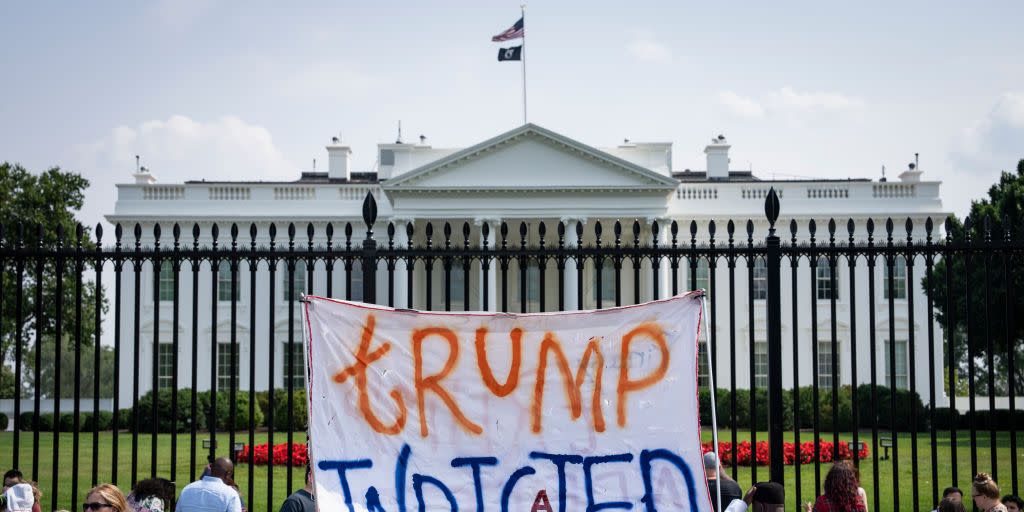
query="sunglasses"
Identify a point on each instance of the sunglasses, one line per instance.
(95, 506)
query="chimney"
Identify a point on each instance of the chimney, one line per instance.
(913, 173)
(718, 158)
(144, 177)
(338, 160)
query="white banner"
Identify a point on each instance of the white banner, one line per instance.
(569, 411)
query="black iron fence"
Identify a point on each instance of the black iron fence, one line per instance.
(75, 310)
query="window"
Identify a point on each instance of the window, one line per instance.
(458, 287)
(224, 364)
(899, 279)
(823, 280)
(532, 286)
(760, 286)
(902, 381)
(607, 291)
(298, 365)
(165, 365)
(299, 280)
(702, 363)
(703, 281)
(356, 287)
(825, 365)
(760, 364)
(166, 292)
(224, 283)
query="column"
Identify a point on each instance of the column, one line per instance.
(401, 267)
(571, 278)
(490, 276)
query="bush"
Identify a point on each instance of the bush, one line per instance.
(300, 414)
(104, 418)
(223, 419)
(29, 423)
(179, 420)
(906, 404)
(3, 421)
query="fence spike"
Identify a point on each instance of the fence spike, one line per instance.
(272, 232)
(541, 231)
(771, 208)
(910, 229)
(137, 232)
(561, 232)
(214, 232)
(410, 229)
(579, 233)
(465, 230)
(118, 232)
(523, 230)
(369, 213)
(1007, 234)
(711, 232)
(693, 232)
(79, 233)
(655, 232)
(430, 231)
(850, 226)
(928, 227)
(617, 230)
(832, 230)
(99, 234)
(812, 229)
(948, 228)
(730, 228)
(485, 230)
(503, 231)
(636, 231)
(348, 233)
(968, 226)
(674, 228)
(987, 223)
(597, 231)
(888, 229)
(792, 231)
(447, 234)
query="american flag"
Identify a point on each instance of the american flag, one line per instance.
(515, 32)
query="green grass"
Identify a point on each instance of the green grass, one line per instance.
(280, 488)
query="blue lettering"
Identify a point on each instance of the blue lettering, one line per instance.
(588, 463)
(646, 457)
(506, 492)
(417, 485)
(400, 470)
(341, 466)
(475, 463)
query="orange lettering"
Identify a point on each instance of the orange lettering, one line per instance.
(485, 368)
(656, 334)
(433, 382)
(364, 358)
(573, 384)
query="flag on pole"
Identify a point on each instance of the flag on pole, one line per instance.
(513, 53)
(514, 32)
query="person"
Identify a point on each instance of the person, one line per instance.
(762, 497)
(105, 498)
(1013, 503)
(14, 477)
(717, 478)
(19, 498)
(985, 493)
(301, 500)
(951, 504)
(953, 493)
(210, 493)
(841, 493)
(152, 495)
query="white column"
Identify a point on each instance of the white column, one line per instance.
(401, 268)
(490, 276)
(571, 278)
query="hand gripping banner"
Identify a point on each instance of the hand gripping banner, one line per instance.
(568, 411)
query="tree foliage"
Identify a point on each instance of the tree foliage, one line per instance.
(38, 210)
(974, 304)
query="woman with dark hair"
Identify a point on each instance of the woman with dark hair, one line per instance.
(840, 491)
(152, 495)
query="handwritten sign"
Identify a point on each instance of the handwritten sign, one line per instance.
(572, 411)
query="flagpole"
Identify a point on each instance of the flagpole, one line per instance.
(522, 8)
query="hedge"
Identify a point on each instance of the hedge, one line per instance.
(3, 421)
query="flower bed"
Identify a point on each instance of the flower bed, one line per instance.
(744, 452)
(279, 455)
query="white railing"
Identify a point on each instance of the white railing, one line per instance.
(357, 192)
(758, 193)
(163, 193)
(294, 193)
(230, 193)
(887, 190)
(828, 193)
(697, 193)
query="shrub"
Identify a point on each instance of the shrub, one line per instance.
(29, 422)
(906, 404)
(300, 414)
(223, 419)
(3, 421)
(104, 418)
(179, 420)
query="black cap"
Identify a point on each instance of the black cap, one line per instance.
(769, 493)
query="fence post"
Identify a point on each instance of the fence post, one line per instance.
(774, 309)
(369, 254)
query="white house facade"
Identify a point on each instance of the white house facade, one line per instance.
(531, 174)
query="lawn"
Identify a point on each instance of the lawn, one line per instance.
(280, 485)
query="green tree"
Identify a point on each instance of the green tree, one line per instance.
(996, 217)
(38, 210)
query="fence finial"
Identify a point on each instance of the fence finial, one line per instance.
(771, 210)
(369, 213)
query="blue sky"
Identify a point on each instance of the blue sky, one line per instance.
(223, 90)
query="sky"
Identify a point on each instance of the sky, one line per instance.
(229, 90)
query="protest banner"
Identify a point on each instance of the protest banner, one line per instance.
(566, 411)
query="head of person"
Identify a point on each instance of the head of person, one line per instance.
(951, 504)
(159, 487)
(1013, 503)
(223, 468)
(11, 477)
(105, 498)
(841, 486)
(710, 465)
(953, 492)
(984, 491)
(768, 497)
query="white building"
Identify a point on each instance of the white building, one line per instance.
(534, 175)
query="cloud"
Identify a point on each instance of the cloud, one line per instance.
(789, 99)
(175, 150)
(995, 141)
(741, 106)
(646, 49)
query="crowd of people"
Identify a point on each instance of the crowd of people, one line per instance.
(215, 491)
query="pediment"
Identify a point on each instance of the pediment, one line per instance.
(530, 158)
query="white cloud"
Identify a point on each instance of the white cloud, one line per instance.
(741, 106)
(994, 142)
(789, 99)
(646, 49)
(175, 150)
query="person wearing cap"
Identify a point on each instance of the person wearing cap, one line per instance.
(762, 497)
(717, 478)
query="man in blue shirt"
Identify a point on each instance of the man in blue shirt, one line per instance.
(211, 494)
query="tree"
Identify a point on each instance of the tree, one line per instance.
(994, 218)
(38, 210)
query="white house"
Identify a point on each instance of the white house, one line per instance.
(531, 174)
